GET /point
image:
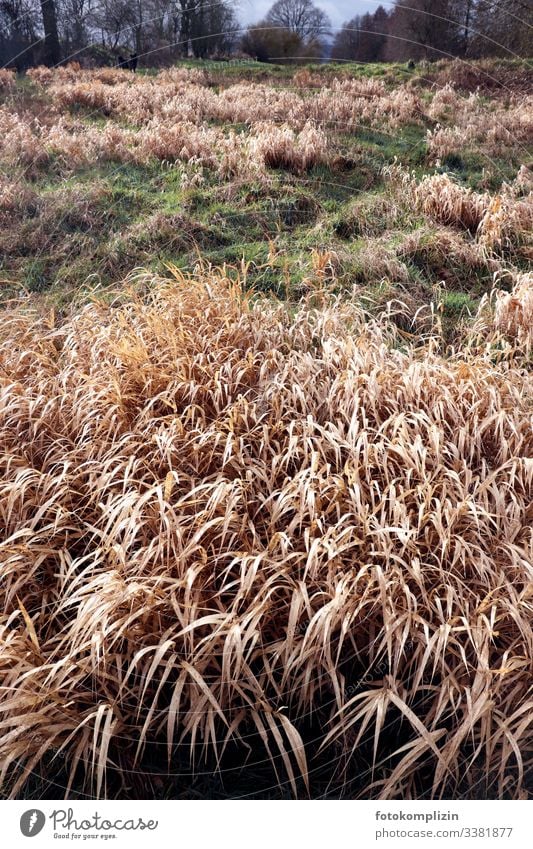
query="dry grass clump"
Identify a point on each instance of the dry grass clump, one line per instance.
(57, 224)
(43, 76)
(514, 311)
(493, 129)
(352, 104)
(74, 143)
(281, 147)
(224, 525)
(498, 222)
(7, 80)
(249, 103)
(21, 142)
(523, 181)
(306, 79)
(441, 198)
(73, 73)
(175, 96)
(376, 260)
(155, 232)
(484, 74)
(445, 102)
(210, 147)
(91, 95)
(445, 250)
(138, 102)
(183, 141)
(371, 216)
(182, 96)
(507, 222)
(182, 75)
(179, 96)
(15, 197)
(110, 76)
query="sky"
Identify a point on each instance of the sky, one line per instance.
(339, 11)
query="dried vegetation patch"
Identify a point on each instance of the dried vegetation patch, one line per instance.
(500, 223)
(225, 523)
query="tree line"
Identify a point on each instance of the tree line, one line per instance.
(160, 31)
(435, 29)
(99, 31)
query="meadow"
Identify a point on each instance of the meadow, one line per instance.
(266, 432)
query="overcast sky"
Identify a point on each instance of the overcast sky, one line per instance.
(250, 11)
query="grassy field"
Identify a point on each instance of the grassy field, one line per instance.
(99, 178)
(266, 431)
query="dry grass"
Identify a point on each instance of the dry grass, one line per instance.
(7, 80)
(444, 246)
(180, 117)
(21, 143)
(14, 197)
(73, 144)
(483, 75)
(494, 130)
(185, 96)
(280, 147)
(514, 311)
(180, 95)
(238, 531)
(221, 521)
(499, 222)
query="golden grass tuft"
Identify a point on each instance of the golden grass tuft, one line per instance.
(471, 124)
(499, 222)
(281, 147)
(224, 523)
(7, 80)
(514, 311)
(176, 115)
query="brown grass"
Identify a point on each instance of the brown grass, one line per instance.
(281, 147)
(514, 311)
(494, 130)
(7, 80)
(177, 116)
(185, 96)
(499, 222)
(73, 144)
(221, 521)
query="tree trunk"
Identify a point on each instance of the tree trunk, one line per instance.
(52, 53)
(468, 18)
(139, 29)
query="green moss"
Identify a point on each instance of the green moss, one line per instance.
(458, 303)
(36, 276)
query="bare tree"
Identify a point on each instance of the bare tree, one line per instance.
(113, 19)
(422, 29)
(363, 38)
(52, 50)
(348, 40)
(467, 10)
(301, 17)
(502, 27)
(74, 23)
(272, 43)
(19, 32)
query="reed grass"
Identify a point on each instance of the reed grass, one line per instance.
(226, 521)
